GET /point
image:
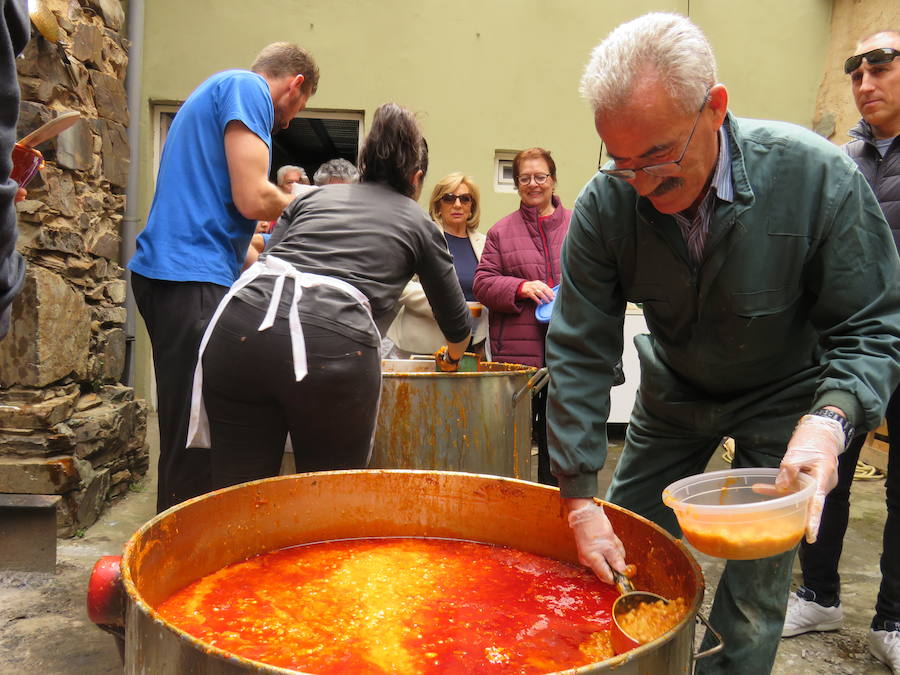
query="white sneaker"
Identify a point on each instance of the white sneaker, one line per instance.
(884, 645)
(807, 616)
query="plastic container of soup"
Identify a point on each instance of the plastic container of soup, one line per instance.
(738, 514)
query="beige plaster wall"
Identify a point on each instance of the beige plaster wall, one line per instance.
(835, 111)
(483, 75)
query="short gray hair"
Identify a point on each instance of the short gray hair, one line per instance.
(336, 168)
(666, 44)
(279, 176)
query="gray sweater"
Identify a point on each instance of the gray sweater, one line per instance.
(14, 34)
(373, 238)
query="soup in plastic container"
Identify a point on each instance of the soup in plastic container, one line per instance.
(738, 514)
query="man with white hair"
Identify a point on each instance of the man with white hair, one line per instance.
(289, 175)
(768, 280)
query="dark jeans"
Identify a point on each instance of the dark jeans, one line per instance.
(820, 560)
(673, 432)
(176, 314)
(253, 400)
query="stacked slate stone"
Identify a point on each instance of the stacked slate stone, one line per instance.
(68, 426)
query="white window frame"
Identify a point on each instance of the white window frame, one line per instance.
(503, 160)
(163, 113)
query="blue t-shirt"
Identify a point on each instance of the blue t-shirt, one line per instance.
(194, 232)
(465, 262)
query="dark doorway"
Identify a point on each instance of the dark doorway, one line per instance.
(315, 138)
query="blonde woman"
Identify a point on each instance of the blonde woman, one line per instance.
(454, 207)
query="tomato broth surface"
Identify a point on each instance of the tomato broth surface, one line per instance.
(401, 605)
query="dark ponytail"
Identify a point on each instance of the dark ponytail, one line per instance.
(394, 149)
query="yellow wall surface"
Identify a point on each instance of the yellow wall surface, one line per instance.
(484, 75)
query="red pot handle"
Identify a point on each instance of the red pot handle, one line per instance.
(106, 594)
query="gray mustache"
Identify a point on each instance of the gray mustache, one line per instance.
(669, 184)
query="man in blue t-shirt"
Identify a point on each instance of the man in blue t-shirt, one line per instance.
(211, 190)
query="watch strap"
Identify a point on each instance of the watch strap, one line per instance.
(849, 429)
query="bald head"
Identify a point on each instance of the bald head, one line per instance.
(876, 86)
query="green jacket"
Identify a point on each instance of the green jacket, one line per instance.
(800, 283)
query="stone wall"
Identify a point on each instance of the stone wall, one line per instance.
(67, 424)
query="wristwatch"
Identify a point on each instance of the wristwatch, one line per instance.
(848, 428)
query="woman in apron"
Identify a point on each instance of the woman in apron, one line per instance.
(294, 348)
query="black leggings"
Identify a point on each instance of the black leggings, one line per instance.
(820, 560)
(539, 436)
(253, 400)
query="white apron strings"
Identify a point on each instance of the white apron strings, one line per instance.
(198, 428)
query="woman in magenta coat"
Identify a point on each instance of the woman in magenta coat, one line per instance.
(518, 270)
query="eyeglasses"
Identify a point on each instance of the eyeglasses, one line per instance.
(876, 57)
(539, 178)
(451, 198)
(660, 170)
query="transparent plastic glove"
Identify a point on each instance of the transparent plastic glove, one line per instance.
(598, 546)
(813, 449)
(444, 361)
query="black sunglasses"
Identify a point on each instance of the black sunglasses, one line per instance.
(876, 57)
(450, 198)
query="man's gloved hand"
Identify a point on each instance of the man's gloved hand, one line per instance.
(444, 362)
(598, 546)
(813, 449)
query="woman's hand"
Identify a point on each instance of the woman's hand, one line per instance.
(20, 195)
(444, 362)
(537, 291)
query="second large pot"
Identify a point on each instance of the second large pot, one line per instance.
(477, 422)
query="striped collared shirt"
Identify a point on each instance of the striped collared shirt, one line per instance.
(696, 229)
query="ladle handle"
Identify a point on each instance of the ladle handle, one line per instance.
(623, 583)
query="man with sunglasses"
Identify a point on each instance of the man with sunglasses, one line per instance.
(769, 284)
(875, 82)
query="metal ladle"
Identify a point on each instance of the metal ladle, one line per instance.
(629, 600)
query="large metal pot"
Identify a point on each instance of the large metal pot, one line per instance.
(209, 532)
(476, 422)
